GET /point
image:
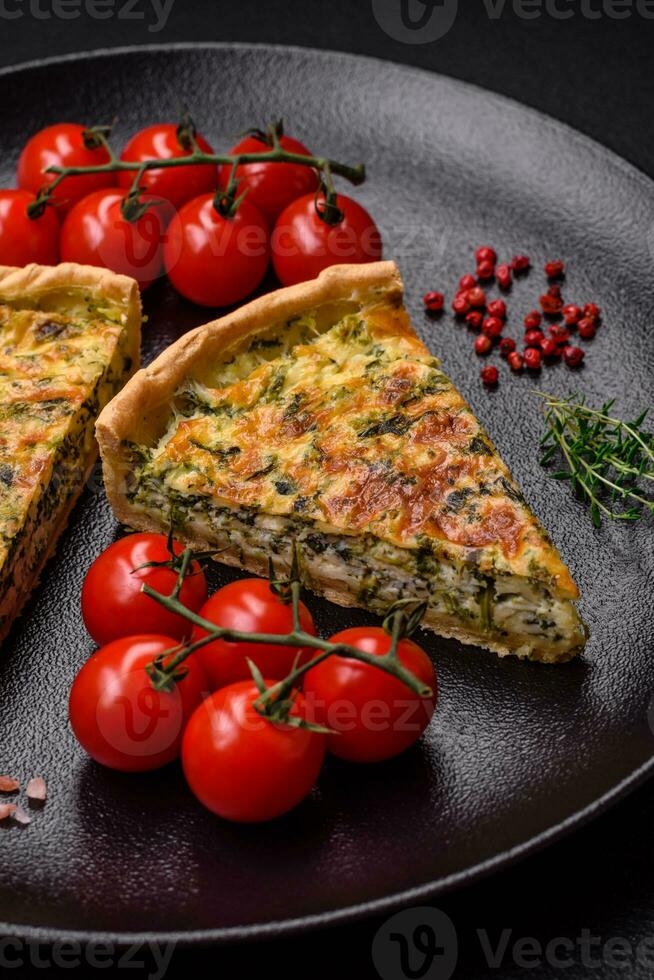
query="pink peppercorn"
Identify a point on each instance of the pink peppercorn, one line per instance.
(474, 319)
(592, 310)
(433, 301)
(507, 346)
(571, 314)
(467, 282)
(476, 296)
(534, 338)
(551, 304)
(555, 269)
(573, 356)
(460, 304)
(550, 348)
(516, 361)
(533, 319)
(485, 270)
(497, 307)
(483, 344)
(486, 254)
(492, 326)
(490, 375)
(520, 263)
(533, 358)
(503, 276)
(587, 328)
(559, 333)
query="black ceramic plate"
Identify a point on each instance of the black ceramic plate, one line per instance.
(517, 753)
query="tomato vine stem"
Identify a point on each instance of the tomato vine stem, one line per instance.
(400, 620)
(226, 200)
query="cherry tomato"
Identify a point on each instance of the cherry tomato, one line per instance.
(216, 261)
(271, 186)
(62, 145)
(375, 715)
(112, 602)
(23, 239)
(251, 606)
(96, 233)
(116, 714)
(242, 766)
(303, 244)
(174, 184)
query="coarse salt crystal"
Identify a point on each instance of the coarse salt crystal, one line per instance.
(36, 789)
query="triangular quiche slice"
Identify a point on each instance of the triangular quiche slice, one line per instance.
(69, 339)
(315, 415)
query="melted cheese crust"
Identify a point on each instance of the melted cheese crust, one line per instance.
(356, 431)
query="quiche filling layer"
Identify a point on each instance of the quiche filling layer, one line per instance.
(348, 438)
(61, 361)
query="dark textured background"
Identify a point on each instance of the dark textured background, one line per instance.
(596, 75)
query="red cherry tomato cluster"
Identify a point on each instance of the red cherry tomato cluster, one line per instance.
(489, 316)
(173, 226)
(241, 765)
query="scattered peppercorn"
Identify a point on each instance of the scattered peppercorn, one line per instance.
(433, 301)
(490, 376)
(533, 319)
(554, 290)
(507, 346)
(492, 326)
(483, 344)
(587, 328)
(559, 334)
(573, 356)
(476, 296)
(551, 304)
(460, 304)
(503, 276)
(485, 270)
(474, 319)
(467, 282)
(592, 310)
(555, 269)
(520, 263)
(534, 338)
(497, 307)
(571, 314)
(533, 358)
(486, 254)
(516, 361)
(550, 348)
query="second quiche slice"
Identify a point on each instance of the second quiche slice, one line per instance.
(69, 339)
(315, 414)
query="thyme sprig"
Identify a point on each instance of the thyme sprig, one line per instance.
(606, 459)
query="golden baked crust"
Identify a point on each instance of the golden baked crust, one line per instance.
(318, 407)
(69, 336)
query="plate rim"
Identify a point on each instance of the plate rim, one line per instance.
(348, 913)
